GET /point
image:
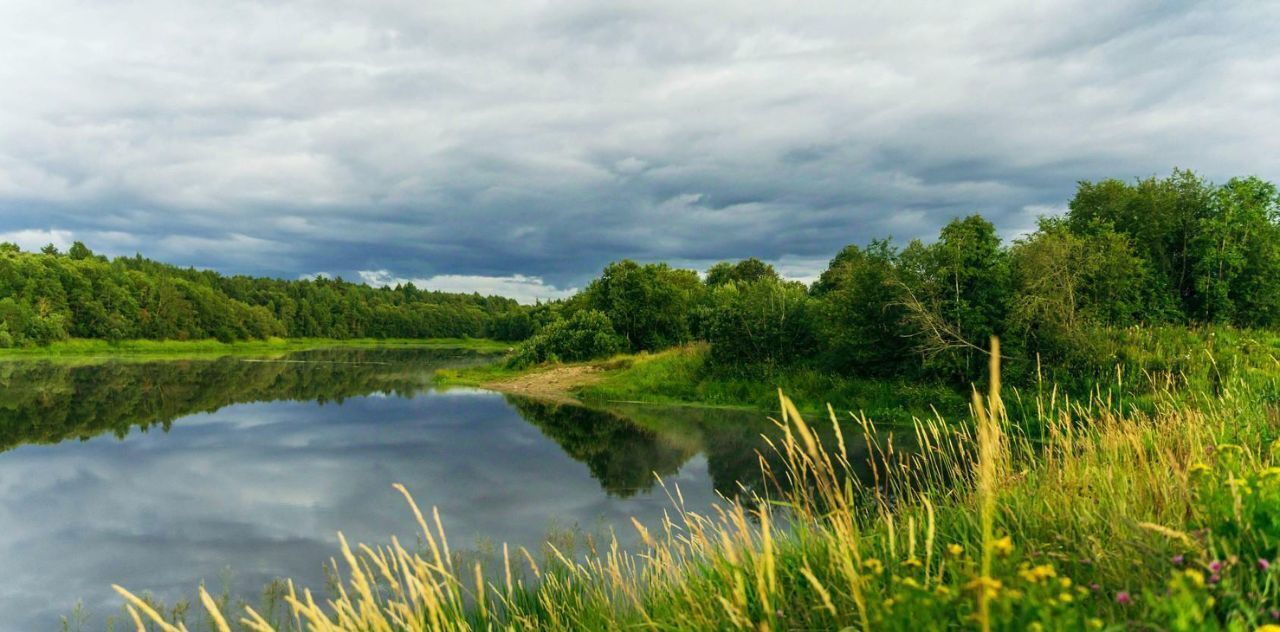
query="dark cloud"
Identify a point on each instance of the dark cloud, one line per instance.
(535, 142)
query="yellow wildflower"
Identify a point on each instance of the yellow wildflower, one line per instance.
(955, 550)
(1196, 577)
(873, 565)
(1034, 575)
(1003, 546)
(986, 584)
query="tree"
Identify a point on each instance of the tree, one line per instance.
(648, 304)
(1066, 285)
(762, 324)
(862, 299)
(1236, 255)
(79, 251)
(955, 294)
(745, 271)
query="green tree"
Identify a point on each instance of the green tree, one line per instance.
(863, 315)
(1066, 285)
(648, 304)
(762, 324)
(955, 295)
(746, 271)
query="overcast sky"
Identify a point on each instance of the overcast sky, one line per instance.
(518, 146)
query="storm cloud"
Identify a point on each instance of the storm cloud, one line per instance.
(508, 143)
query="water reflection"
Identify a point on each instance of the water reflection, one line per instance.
(53, 401)
(182, 469)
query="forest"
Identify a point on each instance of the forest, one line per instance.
(1176, 250)
(50, 296)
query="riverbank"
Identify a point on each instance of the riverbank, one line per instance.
(142, 349)
(682, 377)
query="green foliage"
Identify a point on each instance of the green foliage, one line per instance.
(765, 323)
(49, 296)
(862, 313)
(745, 271)
(1068, 285)
(648, 304)
(1214, 252)
(588, 334)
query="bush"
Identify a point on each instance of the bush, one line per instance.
(765, 323)
(588, 334)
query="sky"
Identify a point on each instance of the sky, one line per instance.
(517, 147)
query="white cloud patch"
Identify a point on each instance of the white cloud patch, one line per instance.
(525, 289)
(33, 240)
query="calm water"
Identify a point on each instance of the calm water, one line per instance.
(159, 475)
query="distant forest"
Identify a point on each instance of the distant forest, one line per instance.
(1175, 251)
(51, 295)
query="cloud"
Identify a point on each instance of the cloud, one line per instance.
(545, 139)
(32, 240)
(522, 288)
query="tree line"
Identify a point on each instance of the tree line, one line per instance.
(1175, 250)
(51, 295)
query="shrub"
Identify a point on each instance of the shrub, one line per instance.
(588, 334)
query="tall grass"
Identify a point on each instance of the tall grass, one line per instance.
(1095, 516)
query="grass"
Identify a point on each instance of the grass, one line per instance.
(682, 377)
(1101, 517)
(79, 348)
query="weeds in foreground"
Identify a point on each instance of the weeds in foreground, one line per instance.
(1166, 519)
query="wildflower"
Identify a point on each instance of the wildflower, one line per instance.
(1264, 565)
(1275, 614)
(955, 550)
(1195, 576)
(1123, 598)
(1034, 575)
(873, 565)
(1065, 582)
(1034, 626)
(1270, 627)
(991, 587)
(1095, 624)
(1215, 578)
(1066, 597)
(912, 563)
(1003, 546)
(1179, 560)
(1215, 566)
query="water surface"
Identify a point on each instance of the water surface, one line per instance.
(160, 475)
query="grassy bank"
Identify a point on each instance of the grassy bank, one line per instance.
(172, 348)
(682, 377)
(1160, 520)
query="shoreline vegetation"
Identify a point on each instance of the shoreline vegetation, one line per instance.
(1098, 519)
(682, 377)
(142, 349)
